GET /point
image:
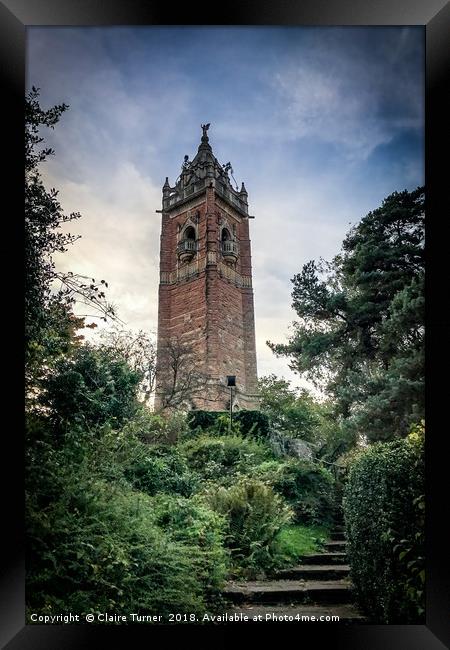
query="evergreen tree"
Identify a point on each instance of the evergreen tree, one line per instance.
(361, 330)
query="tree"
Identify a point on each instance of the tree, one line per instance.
(288, 409)
(361, 328)
(138, 350)
(49, 294)
(179, 382)
(89, 388)
(298, 414)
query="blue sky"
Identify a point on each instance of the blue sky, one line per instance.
(321, 123)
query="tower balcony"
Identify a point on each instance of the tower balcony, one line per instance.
(230, 250)
(186, 249)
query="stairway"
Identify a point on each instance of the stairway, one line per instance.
(319, 587)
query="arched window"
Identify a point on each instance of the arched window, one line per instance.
(226, 234)
(187, 245)
(189, 233)
(229, 247)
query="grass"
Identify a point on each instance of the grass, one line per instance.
(295, 541)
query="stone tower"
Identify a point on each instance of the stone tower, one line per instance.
(206, 327)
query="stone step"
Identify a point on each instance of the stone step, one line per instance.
(336, 546)
(335, 557)
(280, 613)
(315, 572)
(289, 591)
(337, 536)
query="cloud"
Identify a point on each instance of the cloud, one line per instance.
(119, 239)
(306, 116)
(348, 95)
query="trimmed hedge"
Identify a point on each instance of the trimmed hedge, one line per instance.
(203, 419)
(251, 422)
(384, 518)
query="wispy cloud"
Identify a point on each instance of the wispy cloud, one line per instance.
(348, 96)
(119, 240)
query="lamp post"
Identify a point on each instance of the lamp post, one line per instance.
(231, 381)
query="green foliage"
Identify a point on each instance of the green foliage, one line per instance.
(295, 413)
(95, 544)
(161, 469)
(218, 457)
(307, 487)
(198, 527)
(90, 388)
(287, 409)
(43, 216)
(361, 330)
(383, 508)
(334, 438)
(202, 419)
(254, 515)
(247, 422)
(253, 423)
(222, 427)
(412, 560)
(156, 428)
(137, 349)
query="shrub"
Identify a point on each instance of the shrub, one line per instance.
(411, 557)
(221, 426)
(250, 423)
(101, 549)
(384, 524)
(307, 487)
(192, 523)
(155, 428)
(90, 388)
(95, 544)
(202, 419)
(161, 469)
(217, 457)
(254, 515)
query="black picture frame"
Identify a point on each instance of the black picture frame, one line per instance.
(434, 15)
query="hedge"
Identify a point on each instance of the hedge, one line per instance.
(251, 422)
(384, 519)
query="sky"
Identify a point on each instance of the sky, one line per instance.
(321, 123)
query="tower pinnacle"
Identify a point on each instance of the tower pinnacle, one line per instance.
(204, 144)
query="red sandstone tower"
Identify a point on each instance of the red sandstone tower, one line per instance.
(206, 327)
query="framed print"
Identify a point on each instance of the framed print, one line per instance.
(327, 112)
